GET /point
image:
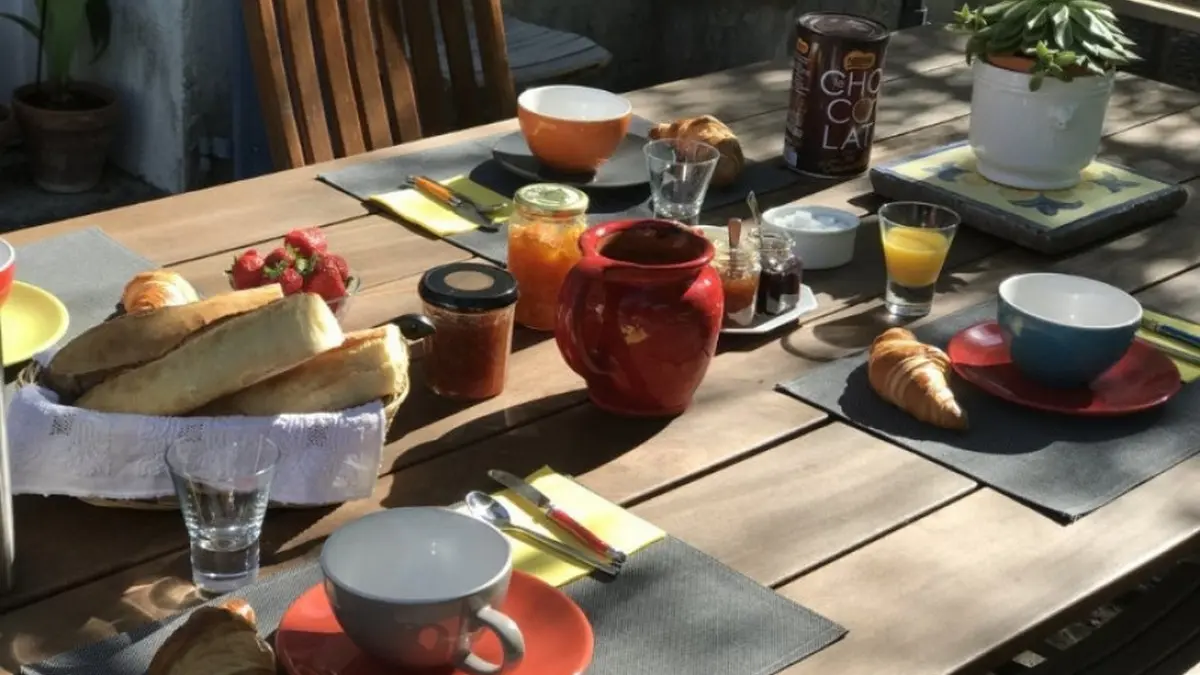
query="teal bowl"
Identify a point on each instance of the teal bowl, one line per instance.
(1064, 330)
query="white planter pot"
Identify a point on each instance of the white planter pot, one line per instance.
(1035, 140)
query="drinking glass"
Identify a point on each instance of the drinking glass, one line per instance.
(223, 491)
(679, 175)
(916, 238)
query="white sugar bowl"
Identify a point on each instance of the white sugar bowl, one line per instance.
(822, 237)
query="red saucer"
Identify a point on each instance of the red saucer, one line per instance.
(1144, 378)
(558, 637)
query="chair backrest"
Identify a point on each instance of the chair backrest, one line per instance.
(340, 77)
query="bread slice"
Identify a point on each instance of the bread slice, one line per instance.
(133, 339)
(228, 357)
(370, 364)
(220, 640)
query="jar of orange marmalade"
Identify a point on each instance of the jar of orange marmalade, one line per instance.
(543, 245)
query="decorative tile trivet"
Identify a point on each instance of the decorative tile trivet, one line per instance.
(1110, 198)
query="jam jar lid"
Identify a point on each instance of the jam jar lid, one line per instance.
(551, 199)
(468, 287)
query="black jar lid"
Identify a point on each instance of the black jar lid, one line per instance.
(468, 287)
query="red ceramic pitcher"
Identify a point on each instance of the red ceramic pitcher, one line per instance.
(639, 315)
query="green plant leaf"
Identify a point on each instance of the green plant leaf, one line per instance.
(1038, 19)
(99, 19)
(65, 23)
(1064, 59)
(21, 21)
(993, 10)
(1035, 82)
(1061, 15)
(1063, 35)
(1019, 9)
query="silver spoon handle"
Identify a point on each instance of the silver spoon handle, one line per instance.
(563, 550)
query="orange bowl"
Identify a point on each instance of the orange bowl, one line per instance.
(573, 129)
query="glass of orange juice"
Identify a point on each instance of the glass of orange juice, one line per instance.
(916, 239)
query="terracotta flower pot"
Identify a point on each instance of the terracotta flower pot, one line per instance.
(67, 147)
(639, 315)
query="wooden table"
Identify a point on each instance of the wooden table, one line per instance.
(931, 572)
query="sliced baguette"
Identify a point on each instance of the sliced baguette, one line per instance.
(369, 365)
(133, 339)
(228, 357)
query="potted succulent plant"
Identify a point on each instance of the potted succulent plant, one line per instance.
(1043, 74)
(68, 125)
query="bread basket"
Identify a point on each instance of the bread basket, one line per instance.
(29, 375)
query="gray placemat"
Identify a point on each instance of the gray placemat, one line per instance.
(673, 610)
(86, 270)
(474, 158)
(1066, 466)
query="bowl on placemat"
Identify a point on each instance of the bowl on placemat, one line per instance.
(823, 237)
(1064, 330)
(571, 128)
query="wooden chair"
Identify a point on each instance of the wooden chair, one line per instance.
(340, 77)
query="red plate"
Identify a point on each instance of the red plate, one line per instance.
(1144, 378)
(558, 637)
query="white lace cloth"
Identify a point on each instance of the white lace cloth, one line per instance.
(324, 458)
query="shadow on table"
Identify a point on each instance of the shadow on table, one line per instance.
(573, 442)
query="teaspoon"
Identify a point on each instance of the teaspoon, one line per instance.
(487, 509)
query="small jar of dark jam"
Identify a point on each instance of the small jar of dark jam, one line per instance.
(471, 307)
(782, 271)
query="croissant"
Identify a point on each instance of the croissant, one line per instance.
(710, 130)
(220, 640)
(156, 289)
(913, 376)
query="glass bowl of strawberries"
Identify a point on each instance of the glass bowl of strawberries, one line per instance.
(301, 264)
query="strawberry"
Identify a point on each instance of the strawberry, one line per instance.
(247, 270)
(280, 258)
(327, 283)
(291, 281)
(306, 242)
(335, 261)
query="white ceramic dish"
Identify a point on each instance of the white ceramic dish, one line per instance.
(827, 245)
(764, 323)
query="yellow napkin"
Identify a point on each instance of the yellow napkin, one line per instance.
(414, 207)
(1187, 371)
(620, 528)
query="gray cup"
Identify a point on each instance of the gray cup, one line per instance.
(414, 587)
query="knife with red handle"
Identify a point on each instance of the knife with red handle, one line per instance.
(556, 515)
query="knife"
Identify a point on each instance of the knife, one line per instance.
(447, 197)
(1170, 332)
(536, 498)
(1176, 352)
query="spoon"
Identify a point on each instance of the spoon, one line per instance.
(752, 202)
(484, 507)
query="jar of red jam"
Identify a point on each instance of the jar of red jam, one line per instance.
(471, 308)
